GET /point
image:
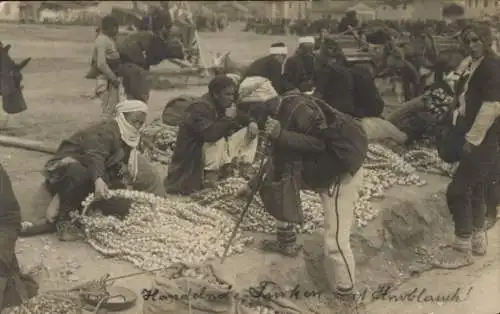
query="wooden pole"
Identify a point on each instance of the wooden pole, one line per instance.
(11, 141)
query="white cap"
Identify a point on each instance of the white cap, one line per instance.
(256, 89)
(278, 50)
(306, 40)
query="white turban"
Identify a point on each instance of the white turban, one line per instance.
(306, 40)
(235, 77)
(129, 134)
(278, 50)
(256, 89)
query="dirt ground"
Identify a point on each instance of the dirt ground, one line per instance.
(58, 100)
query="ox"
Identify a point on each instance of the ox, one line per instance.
(10, 82)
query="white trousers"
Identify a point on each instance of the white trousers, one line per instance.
(339, 272)
(237, 147)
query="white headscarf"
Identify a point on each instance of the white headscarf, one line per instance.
(129, 134)
(256, 89)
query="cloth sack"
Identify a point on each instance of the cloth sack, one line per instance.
(378, 129)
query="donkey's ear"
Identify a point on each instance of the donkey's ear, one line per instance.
(23, 63)
(7, 48)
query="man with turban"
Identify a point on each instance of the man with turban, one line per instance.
(270, 66)
(474, 143)
(211, 139)
(301, 132)
(104, 155)
(299, 69)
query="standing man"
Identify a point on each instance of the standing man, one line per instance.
(106, 62)
(334, 82)
(299, 69)
(310, 151)
(270, 66)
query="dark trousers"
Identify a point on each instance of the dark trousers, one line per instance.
(74, 186)
(468, 195)
(492, 200)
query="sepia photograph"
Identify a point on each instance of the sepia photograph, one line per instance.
(250, 157)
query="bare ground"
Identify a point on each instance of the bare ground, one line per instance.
(57, 97)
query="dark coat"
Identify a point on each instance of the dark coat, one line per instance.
(99, 148)
(14, 286)
(483, 87)
(10, 211)
(203, 122)
(334, 84)
(300, 147)
(299, 73)
(267, 67)
(367, 99)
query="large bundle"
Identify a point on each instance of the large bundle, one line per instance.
(421, 116)
(159, 232)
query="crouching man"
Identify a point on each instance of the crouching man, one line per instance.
(210, 138)
(318, 148)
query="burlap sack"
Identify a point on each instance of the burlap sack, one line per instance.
(378, 129)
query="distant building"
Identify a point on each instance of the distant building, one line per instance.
(280, 9)
(417, 10)
(337, 9)
(480, 8)
(10, 11)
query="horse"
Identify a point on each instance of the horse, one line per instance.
(10, 82)
(146, 49)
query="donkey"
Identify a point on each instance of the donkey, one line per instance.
(10, 82)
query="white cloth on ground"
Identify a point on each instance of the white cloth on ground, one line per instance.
(224, 151)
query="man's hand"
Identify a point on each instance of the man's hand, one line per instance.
(468, 147)
(245, 192)
(101, 189)
(253, 130)
(231, 112)
(115, 82)
(273, 128)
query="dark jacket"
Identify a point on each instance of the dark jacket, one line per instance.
(99, 148)
(300, 147)
(203, 122)
(299, 73)
(267, 67)
(367, 99)
(10, 211)
(334, 84)
(483, 87)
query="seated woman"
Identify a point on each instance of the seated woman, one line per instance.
(210, 138)
(15, 287)
(104, 155)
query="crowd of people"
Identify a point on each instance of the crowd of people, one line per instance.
(310, 107)
(304, 27)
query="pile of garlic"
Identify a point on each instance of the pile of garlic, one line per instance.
(59, 303)
(159, 232)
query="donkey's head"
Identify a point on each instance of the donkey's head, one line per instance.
(10, 71)
(10, 82)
